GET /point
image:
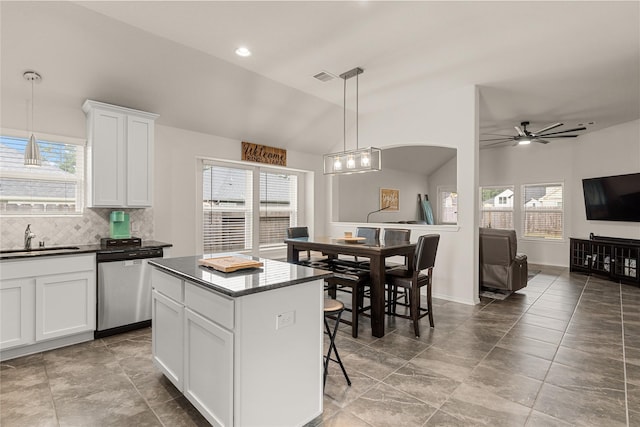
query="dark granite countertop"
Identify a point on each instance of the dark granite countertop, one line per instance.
(59, 250)
(273, 275)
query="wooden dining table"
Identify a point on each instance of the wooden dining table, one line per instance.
(376, 251)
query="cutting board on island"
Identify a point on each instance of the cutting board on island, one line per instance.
(228, 264)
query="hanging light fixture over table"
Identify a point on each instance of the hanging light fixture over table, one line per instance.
(352, 161)
(32, 151)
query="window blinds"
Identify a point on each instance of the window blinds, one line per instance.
(56, 187)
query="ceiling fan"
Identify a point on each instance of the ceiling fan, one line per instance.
(525, 136)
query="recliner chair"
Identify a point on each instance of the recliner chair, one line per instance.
(501, 267)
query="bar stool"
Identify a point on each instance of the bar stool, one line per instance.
(335, 308)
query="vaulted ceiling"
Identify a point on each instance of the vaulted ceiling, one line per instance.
(546, 62)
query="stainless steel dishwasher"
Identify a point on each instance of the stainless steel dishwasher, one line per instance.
(124, 289)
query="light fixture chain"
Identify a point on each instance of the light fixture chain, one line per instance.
(357, 104)
(344, 115)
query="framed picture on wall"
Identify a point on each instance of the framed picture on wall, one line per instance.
(389, 199)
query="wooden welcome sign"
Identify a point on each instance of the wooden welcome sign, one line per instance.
(264, 154)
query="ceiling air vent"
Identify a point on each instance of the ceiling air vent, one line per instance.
(325, 76)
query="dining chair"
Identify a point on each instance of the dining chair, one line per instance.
(414, 280)
(402, 236)
(353, 280)
(294, 232)
(372, 234)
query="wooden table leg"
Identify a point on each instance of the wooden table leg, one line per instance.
(293, 255)
(377, 296)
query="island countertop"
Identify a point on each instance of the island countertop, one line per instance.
(272, 275)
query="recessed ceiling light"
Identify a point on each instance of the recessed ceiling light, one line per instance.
(243, 51)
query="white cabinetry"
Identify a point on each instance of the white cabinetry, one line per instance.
(120, 142)
(46, 302)
(238, 367)
(208, 368)
(17, 312)
(167, 337)
(65, 304)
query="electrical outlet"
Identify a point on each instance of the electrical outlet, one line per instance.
(285, 319)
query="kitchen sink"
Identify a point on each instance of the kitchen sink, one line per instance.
(38, 250)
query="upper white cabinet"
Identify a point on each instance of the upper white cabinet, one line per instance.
(120, 144)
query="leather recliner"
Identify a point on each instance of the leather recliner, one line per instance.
(501, 267)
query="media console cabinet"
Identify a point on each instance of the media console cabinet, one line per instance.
(614, 258)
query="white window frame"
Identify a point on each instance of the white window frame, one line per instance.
(523, 212)
(482, 210)
(441, 190)
(256, 169)
(81, 181)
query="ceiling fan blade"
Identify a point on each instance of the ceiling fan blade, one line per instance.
(565, 131)
(541, 141)
(497, 134)
(520, 132)
(538, 132)
(497, 143)
(507, 138)
(558, 136)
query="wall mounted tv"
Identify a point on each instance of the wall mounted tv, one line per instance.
(613, 198)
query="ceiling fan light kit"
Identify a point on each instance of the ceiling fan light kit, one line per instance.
(525, 136)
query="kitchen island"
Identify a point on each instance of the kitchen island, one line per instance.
(245, 348)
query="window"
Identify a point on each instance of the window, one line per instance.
(278, 206)
(229, 206)
(542, 211)
(448, 199)
(54, 188)
(496, 207)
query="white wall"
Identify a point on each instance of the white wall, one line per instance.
(176, 175)
(611, 151)
(359, 194)
(450, 120)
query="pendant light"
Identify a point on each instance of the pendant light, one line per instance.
(352, 161)
(32, 151)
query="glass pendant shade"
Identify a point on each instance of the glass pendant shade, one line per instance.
(32, 153)
(354, 161)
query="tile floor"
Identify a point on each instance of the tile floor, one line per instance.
(564, 351)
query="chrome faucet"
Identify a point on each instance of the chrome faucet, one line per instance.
(28, 235)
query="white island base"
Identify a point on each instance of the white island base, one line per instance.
(251, 360)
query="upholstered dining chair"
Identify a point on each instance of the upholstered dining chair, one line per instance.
(372, 234)
(400, 235)
(413, 280)
(353, 280)
(293, 232)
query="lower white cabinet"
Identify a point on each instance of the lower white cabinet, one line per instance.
(46, 302)
(65, 304)
(167, 337)
(17, 312)
(208, 368)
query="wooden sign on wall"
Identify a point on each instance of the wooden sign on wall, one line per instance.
(389, 199)
(264, 154)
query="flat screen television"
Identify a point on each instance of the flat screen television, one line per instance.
(613, 198)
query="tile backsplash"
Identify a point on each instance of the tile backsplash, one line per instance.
(87, 229)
